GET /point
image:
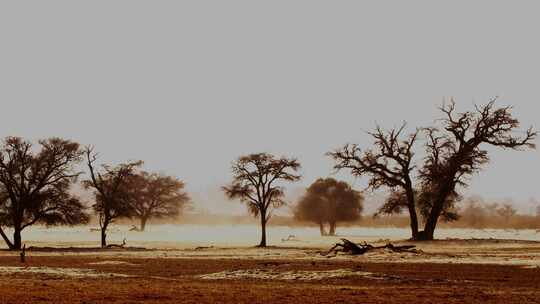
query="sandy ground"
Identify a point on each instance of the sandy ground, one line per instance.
(443, 272)
(264, 281)
(452, 270)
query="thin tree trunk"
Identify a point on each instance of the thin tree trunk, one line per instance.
(321, 228)
(104, 236)
(143, 223)
(263, 230)
(332, 231)
(17, 242)
(411, 206)
(414, 223)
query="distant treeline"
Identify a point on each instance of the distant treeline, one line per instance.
(472, 215)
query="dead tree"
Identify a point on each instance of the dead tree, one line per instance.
(457, 151)
(454, 153)
(389, 164)
(254, 183)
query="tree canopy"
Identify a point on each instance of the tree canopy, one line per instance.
(157, 196)
(329, 201)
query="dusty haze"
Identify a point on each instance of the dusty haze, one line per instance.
(188, 87)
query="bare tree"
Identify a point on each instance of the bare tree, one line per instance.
(157, 196)
(389, 164)
(254, 182)
(329, 201)
(111, 187)
(35, 185)
(453, 155)
(457, 152)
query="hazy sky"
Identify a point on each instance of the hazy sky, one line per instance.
(188, 86)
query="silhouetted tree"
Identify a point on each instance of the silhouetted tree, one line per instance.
(456, 152)
(329, 201)
(111, 187)
(157, 196)
(35, 184)
(389, 164)
(254, 182)
(453, 154)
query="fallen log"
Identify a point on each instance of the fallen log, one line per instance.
(359, 249)
(117, 245)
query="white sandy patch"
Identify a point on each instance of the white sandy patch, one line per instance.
(191, 236)
(266, 274)
(58, 272)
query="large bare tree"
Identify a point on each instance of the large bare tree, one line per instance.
(255, 178)
(389, 164)
(111, 187)
(157, 196)
(457, 150)
(454, 153)
(35, 185)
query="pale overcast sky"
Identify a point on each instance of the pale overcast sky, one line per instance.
(188, 86)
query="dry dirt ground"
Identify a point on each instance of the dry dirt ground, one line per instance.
(262, 276)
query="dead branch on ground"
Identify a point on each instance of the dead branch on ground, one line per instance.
(359, 249)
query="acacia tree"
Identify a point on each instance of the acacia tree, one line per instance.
(329, 201)
(111, 187)
(254, 183)
(458, 151)
(157, 196)
(35, 184)
(389, 164)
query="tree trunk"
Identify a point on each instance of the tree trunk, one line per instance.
(263, 230)
(17, 242)
(433, 218)
(332, 230)
(411, 206)
(143, 223)
(103, 236)
(431, 224)
(414, 223)
(321, 228)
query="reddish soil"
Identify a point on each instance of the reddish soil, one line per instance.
(174, 281)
